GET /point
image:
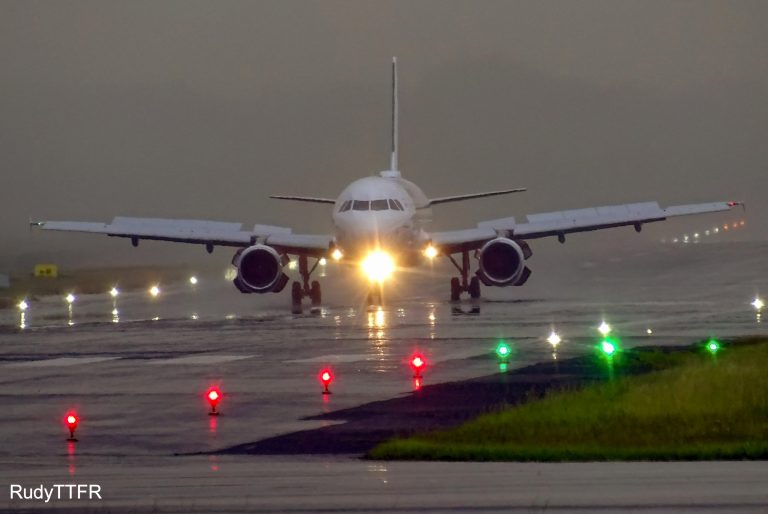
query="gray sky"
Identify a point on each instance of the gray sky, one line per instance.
(201, 109)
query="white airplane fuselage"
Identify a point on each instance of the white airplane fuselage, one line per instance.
(379, 212)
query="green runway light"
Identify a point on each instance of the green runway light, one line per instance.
(503, 350)
(713, 346)
(608, 347)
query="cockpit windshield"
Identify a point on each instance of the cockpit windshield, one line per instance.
(379, 205)
(361, 205)
(386, 204)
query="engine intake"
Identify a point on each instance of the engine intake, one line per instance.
(502, 262)
(259, 270)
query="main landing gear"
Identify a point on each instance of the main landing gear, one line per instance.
(305, 289)
(464, 283)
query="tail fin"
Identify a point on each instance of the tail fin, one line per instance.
(393, 164)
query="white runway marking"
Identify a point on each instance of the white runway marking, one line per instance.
(202, 359)
(62, 361)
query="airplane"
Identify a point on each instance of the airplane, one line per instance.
(379, 225)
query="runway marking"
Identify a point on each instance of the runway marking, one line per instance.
(201, 359)
(61, 361)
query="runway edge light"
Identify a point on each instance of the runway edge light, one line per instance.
(713, 346)
(417, 363)
(326, 377)
(214, 397)
(71, 420)
(503, 351)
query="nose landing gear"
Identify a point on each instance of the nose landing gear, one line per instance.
(305, 289)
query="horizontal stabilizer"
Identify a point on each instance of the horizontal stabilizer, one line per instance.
(310, 199)
(458, 198)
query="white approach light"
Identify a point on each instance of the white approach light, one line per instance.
(430, 252)
(336, 254)
(154, 291)
(554, 339)
(193, 280)
(323, 261)
(114, 292)
(604, 328)
(23, 305)
(70, 298)
(758, 304)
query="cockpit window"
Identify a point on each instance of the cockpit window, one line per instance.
(361, 205)
(379, 205)
(396, 205)
(345, 206)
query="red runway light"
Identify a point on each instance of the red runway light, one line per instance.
(326, 377)
(214, 397)
(71, 420)
(418, 363)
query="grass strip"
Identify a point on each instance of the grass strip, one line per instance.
(701, 407)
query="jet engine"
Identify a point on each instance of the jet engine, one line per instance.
(502, 262)
(259, 270)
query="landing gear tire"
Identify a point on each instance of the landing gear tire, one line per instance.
(455, 289)
(315, 294)
(474, 288)
(296, 294)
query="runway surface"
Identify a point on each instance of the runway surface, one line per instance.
(136, 369)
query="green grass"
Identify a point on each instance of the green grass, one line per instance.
(699, 407)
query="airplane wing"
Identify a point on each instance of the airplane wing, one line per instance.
(310, 199)
(208, 233)
(458, 198)
(560, 223)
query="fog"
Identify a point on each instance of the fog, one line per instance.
(202, 109)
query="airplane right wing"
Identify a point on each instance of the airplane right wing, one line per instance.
(208, 233)
(560, 223)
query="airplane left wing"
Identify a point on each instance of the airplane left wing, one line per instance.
(560, 223)
(208, 233)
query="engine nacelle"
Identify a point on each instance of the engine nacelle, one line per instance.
(259, 270)
(502, 262)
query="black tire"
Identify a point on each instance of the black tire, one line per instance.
(296, 293)
(314, 293)
(455, 289)
(474, 288)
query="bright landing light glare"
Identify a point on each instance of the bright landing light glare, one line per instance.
(430, 252)
(378, 266)
(758, 304)
(336, 254)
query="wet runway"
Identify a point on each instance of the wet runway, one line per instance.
(136, 368)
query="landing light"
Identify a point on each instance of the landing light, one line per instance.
(70, 298)
(758, 304)
(378, 266)
(154, 291)
(193, 280)
(430, 252)
(114, 292)
(336, 254)
(23, 305)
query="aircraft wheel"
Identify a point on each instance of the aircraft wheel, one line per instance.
(455, 289)
(314, 293)
(296, 295)
(474, 288)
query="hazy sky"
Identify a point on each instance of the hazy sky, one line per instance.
(201, 109)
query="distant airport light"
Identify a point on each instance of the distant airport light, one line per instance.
(23, 305)
(71, 421)
(323, 261)
(336, 254)
(154, 291)
(604, 328)
(115, 312)
(734, 225)
(503, 351)
(378, 266)
(214, 397)
(716, 230)
(649, 332)
(608, 347)
(696, 235)
(70, 298)
(326, 377)
(430, 252)
(417, 363)
(554, 339)
(713, 346)
(114, 292)
(758, 304)
(725, 227)
(742, 223)
(193, 280)
(706, 232)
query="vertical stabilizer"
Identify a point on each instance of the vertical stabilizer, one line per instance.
(393, 164)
